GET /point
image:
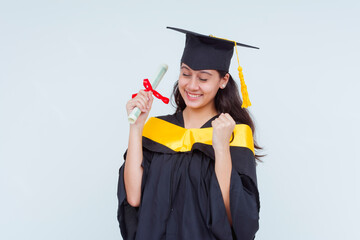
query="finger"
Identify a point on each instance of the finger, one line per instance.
(151, 101)
(144, 94)
(149, 94)
(225, 122)
(228, 117)
(221, 119)
(151, 98)
(214, 123)
(141, 104)
(131, 104)
(218, 124)
(141, 95)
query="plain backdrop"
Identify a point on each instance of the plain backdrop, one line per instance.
(67, 69)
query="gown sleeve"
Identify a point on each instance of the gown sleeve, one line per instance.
(127, 215)
(244, 201)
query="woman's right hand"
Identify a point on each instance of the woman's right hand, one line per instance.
(143, 101)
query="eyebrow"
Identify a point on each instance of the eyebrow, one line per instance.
(200, 71)
(185, 67)
(206, 72)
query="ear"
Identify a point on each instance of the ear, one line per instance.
(224, 81)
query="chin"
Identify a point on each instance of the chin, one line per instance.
(194, 104)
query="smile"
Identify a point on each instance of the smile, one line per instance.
(193, 95)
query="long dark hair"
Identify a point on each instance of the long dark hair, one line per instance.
(227, 100)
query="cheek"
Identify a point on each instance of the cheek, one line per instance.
(210, 89)
(181, 84)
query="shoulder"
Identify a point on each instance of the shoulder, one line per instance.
(244, 128)
(242, 136)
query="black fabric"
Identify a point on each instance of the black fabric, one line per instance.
(206, 52)
(181, 197)
(203, 53)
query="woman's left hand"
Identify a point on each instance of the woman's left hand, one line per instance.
(223, 127)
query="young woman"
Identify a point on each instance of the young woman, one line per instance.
(191, 175)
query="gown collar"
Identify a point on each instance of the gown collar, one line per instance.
(180, 119)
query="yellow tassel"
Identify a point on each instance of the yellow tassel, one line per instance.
(246, 101)
(245, 96)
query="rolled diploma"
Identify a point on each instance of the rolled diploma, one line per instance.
(135, 113)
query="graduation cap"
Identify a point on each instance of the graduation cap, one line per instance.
(210, 52)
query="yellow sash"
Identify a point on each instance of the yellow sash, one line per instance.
(180, 139)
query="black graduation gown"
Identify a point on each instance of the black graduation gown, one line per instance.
(181, 197)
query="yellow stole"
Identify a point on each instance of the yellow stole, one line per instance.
(180, 139)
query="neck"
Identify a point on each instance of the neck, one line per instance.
(195, 118)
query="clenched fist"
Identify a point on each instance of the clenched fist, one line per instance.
(223, 127)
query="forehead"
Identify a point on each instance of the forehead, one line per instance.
(186, 67)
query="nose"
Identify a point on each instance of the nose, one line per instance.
(193, 84)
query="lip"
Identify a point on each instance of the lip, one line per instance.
(192, 96)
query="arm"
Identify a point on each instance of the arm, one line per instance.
(223, 127)
(223, 167)
(133, 170)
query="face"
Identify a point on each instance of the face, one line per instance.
(199, 87)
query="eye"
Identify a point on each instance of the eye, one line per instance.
(186, 75)
(203, 79)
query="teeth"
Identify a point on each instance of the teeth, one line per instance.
(194, 96)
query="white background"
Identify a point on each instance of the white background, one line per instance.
(67, 69)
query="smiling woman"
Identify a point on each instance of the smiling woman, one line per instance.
(198, 88)
(191, 174)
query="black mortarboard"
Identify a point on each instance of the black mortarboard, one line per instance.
(209, 52)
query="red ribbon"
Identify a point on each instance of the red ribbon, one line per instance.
(148, 88)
